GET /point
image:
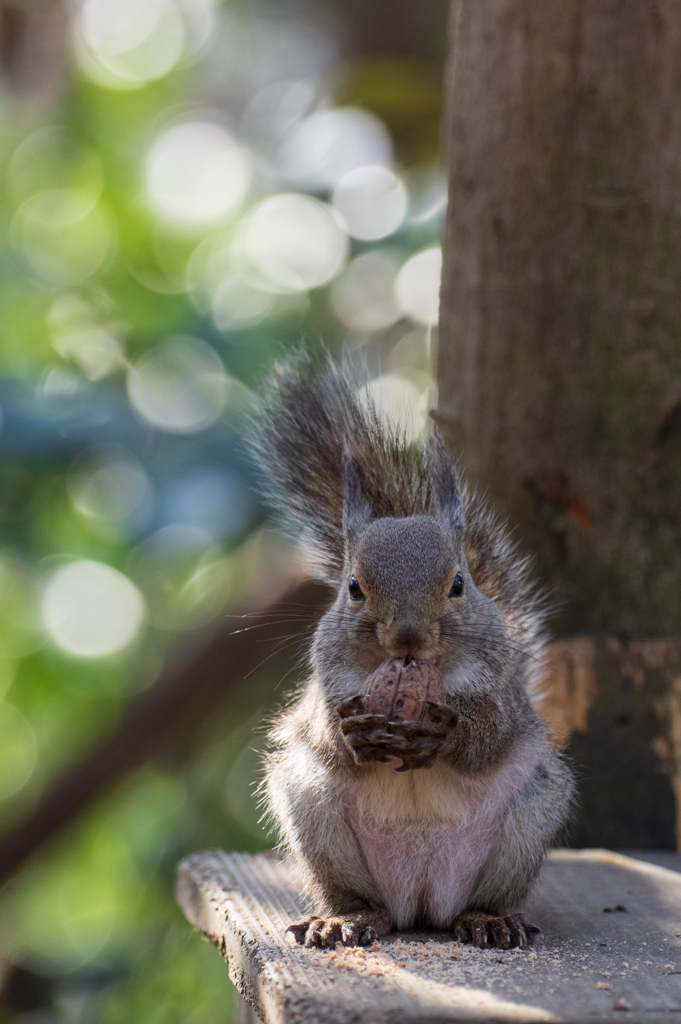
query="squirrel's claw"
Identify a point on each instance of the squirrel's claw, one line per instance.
(373, 738)
(380, 738)
(419, 744)
(441, 714)
(352, 705)
(367, 736)
(364, 724)
(360, 929)
(488, 930)
(415, 756)
(410, 730)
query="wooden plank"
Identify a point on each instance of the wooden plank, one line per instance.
(246, 1014)
(594, 960)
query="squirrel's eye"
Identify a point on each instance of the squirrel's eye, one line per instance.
(355, 589)
(457, 586)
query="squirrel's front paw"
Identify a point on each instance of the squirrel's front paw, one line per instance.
(419, 744)
(366, 735)
(373, 738)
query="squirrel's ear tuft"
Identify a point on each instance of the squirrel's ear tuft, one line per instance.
(446, 494)
(356, 509)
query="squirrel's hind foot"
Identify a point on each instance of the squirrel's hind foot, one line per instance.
(350, 929)
(487, 931)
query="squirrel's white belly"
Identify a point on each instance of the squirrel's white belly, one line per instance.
(423, 873)
(426, 835)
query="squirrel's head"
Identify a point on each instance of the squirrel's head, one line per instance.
(407, 590)
(403, 577)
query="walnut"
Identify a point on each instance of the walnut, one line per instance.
(405, 692)
(400, 713)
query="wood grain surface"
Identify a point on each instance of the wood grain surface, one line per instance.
(595, 963)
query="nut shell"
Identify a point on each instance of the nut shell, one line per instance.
(405, 692)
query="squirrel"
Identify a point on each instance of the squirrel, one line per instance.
(420, 570)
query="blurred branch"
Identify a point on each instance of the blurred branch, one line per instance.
(397, 27)
(176, 704)
(33, 45)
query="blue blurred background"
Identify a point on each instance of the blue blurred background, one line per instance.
(192, 190)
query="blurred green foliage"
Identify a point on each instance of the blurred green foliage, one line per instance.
(110, 461)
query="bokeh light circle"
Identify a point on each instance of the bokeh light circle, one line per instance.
(196, 173)
(108, 483)
(399, 403)
(91, 610)
(96, 350)
(329, 143)
(55, 157)
(372, 200)
(363, 297)
(126, 43)
(236, 303)
(292, 242)
(179, 386)
(417, 288)
(63, 235)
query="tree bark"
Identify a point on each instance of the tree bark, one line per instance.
(34, 46)
(559, 363)
(560, 336)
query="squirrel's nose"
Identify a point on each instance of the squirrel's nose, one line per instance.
(407, 642)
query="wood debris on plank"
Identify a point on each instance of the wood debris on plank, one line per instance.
(589, 965)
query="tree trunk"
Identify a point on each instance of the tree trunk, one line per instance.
(560, 336)
(34, 46)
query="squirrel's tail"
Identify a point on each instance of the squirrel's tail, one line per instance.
(309, 421)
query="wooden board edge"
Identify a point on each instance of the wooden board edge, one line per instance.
(598, 855)
(217, 929)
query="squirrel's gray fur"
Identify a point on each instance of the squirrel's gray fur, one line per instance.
(456, 845)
